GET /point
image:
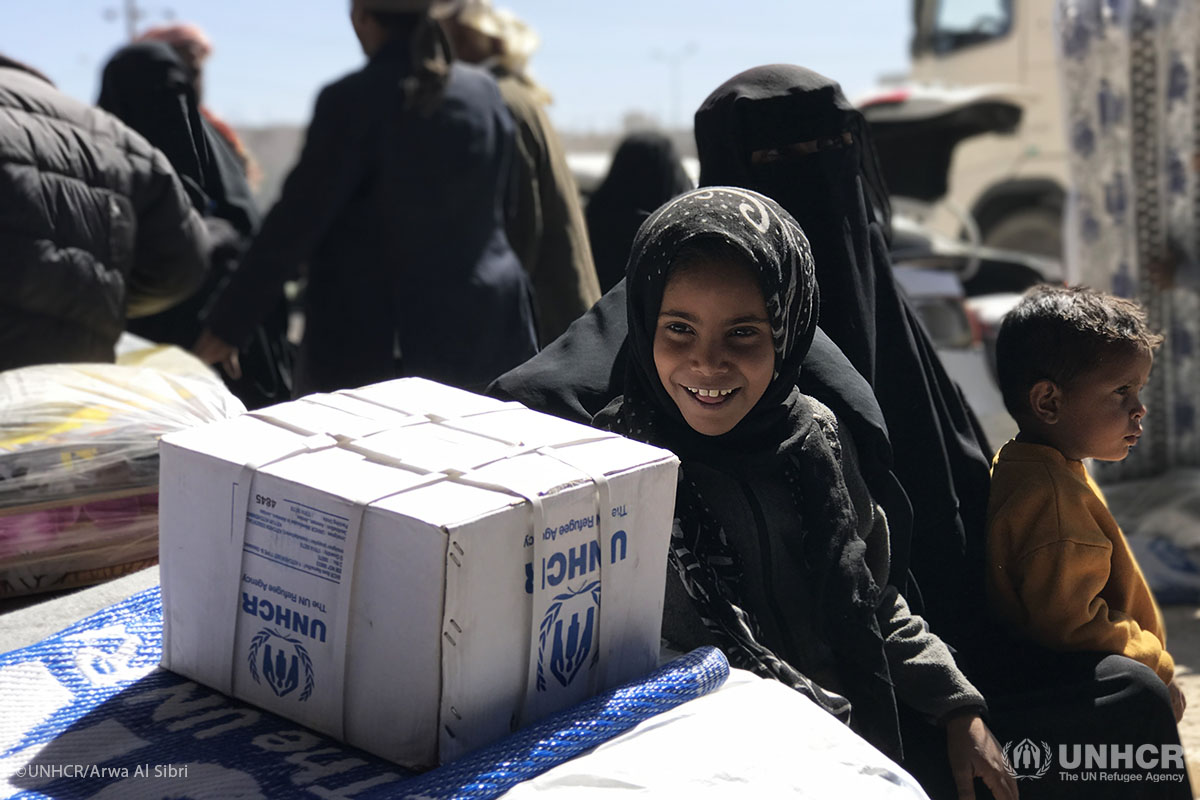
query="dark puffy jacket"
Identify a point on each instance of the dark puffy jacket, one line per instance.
(94, 227)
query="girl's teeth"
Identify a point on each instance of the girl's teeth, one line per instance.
(709, 392)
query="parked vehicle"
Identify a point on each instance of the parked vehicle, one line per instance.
(961, 288)
(1013, 185)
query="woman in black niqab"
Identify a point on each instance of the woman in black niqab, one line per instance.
(152, 90)
(646, 171)
(791, 134)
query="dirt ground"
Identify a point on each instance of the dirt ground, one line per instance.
(1183, 640)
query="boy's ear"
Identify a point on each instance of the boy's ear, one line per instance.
(1045, 401)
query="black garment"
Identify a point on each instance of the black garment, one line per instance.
(398, 215)
(583, 370)
(94, 226)
(797, 121)
(151, 90)
(1083, 699)
(784, 434)
(646, 172)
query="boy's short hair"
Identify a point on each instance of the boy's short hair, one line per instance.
(1059, 333)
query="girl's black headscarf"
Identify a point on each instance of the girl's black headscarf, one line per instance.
(786, 434)
(816, 158)
(646, 172)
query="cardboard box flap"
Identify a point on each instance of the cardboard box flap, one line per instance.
(389, 417)
(611, 456)
(431, 448)
(425, 398)
(307, 418)
(241, 440)
(448, 503)
(346, 474)
(529, 474)
(525, 428)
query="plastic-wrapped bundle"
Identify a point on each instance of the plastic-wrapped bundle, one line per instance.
(79, 463)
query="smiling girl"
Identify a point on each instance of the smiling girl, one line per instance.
(779, 555)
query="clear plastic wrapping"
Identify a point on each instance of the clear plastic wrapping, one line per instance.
(79, 463)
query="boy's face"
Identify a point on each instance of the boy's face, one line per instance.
(1100, 413)
(712, 345)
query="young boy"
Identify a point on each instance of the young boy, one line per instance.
(1071, 363)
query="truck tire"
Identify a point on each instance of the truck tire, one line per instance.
(1033, 229)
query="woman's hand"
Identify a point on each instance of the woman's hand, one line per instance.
(1178, 701)
(211, 350)
(975, 753)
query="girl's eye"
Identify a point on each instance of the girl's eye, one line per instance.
(677, 327)
(744, 332)
(1124, 390)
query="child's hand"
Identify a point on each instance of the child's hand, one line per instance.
(1178, 701)
(975, 753)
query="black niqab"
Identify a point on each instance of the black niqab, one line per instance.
(832, 185)
(149, 88)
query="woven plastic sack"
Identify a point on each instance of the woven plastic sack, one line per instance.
(79, 463)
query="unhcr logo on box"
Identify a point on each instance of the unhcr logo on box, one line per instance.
(281, 658)
(1084, 763)
(569, 646)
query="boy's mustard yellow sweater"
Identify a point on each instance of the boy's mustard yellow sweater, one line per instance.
(1059, 569)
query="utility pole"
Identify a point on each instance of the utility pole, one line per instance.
(674, 60)
(133, 14)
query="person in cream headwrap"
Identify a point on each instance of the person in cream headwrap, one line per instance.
(545, 217)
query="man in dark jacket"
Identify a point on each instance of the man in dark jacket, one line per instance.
(94, 226)
(395, 205)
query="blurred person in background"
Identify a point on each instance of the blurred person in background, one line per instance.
(545, 216)
(396, 206)
(646, 172)
(194, 48)
(154, 85)
(94, 226)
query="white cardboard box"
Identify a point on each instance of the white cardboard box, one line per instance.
(411, 568)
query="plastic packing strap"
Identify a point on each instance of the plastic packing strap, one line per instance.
(345, 598)
(359, 506)
(288, 425)
(430, 416)
(493, 770)
(602, 494)
(237, 533)
(598, 678)
(295, 427)
(454, 554)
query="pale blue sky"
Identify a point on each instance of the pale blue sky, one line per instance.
(598, 58)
